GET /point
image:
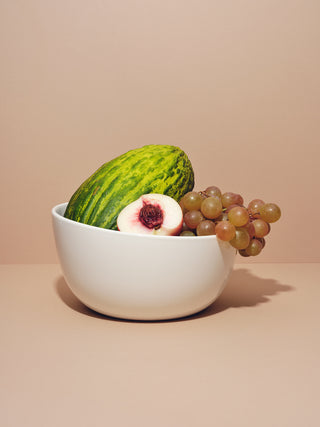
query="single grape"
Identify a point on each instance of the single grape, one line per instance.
(225, 230)
(213, 191)
(238, 216)
(187, 233)
(192, 201)
(230, 198)
(254, 247)
(227, 199)
(241, 239)
(243, 253)
(270, 212)
(193, 218)
(228, 209)
(250, 229)
(254, 206)
(184, 226)
(261, 227)
(211, 207)
(262, 240)
(206, 228)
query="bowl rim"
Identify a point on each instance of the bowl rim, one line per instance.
(60, 217)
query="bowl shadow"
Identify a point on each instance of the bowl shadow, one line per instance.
(243, 289)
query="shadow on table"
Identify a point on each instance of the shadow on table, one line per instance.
(244, 289)
(68, 297)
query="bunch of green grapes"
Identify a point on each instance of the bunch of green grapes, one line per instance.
(211, 212)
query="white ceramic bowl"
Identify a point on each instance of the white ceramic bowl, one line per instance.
(140, 277)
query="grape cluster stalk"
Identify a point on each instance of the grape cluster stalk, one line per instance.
(211, 212)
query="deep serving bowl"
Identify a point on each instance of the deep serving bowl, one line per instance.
(140, 277)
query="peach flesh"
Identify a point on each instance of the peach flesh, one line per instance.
(156, 214)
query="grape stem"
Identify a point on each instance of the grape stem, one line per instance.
(204, 194)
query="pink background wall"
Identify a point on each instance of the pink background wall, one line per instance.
(236, 84)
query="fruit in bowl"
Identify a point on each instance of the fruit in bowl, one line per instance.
(161, 169)
(136, 241)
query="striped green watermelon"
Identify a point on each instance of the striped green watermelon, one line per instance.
(162, 169)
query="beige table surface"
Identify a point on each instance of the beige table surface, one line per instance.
(251, 359)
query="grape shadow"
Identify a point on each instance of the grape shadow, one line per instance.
(244, 289)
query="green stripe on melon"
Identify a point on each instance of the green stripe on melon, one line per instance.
(162, 169)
